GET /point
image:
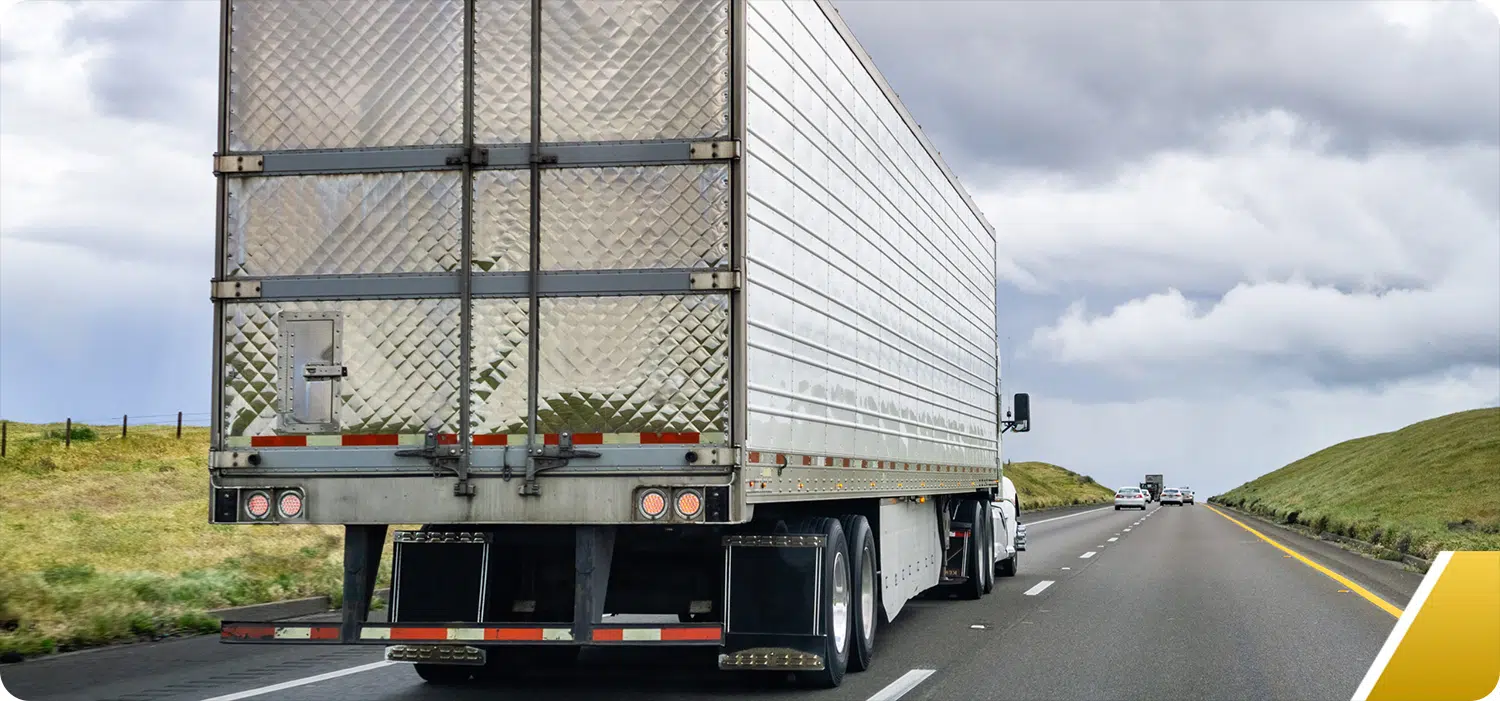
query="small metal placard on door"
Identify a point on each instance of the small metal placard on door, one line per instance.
(310, 356)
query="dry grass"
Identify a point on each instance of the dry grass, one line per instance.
(1043, 485)
(1429, 487)
(110, 540)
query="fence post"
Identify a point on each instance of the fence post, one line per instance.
(4, 426)
(179, 425)
(68, 434)
(124, 426)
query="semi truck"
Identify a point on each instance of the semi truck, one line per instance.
(660, 321)
(1153, 485)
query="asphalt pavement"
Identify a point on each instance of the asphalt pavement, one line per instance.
(1173, 602)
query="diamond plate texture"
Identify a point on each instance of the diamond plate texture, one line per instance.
(502, 221)
(628, 364)
(343, 224)
(643, 69)
(497, 396)
(502, 71)
(635, 217)
(310, 74)
(402, 357)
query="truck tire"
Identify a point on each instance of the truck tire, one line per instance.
(443, 674)
(865, 584)
(987, 556)
(1010, 565)
(835, 601)
(972, 588)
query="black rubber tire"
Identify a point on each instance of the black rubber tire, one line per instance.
(1010, 565)
(444, 674)
(988, 555)
(835, 549)
(861, 551)
(972, 588)
(1117, 507)
(504, 661)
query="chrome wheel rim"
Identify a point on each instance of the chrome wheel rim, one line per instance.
(867, 598)
(840, 601)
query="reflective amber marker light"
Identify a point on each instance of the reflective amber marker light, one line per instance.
(258, 505)
(688, 504)
(653, 504)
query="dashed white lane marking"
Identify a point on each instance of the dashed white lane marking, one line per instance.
(903, 684)
(1111, 540)
(1127, 530)
(1039, 588)
(1059, 518)
(1067, 568)
(1087, 555)
(261, 691)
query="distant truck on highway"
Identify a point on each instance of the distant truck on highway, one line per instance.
(1154, 484)
(642, 308)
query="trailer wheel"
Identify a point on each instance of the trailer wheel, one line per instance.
(865, 584)
(443, 674)
(1010, 565)
(973, 587)
(837, 598)
(988, 556)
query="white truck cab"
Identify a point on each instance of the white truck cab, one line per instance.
(1010, 533)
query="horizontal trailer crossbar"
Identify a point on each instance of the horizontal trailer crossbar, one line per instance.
(559, 283)
(328, 634)
(493, 157)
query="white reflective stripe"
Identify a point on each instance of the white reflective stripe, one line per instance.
(368, 633)
(325, 441)
(237, 441)
(515, 438)
(294, 633)
(410, 439)
(712, 438)
(640, 634)
(466, 634)
(622, 439)
(557, 634)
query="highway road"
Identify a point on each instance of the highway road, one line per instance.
(1174, 602)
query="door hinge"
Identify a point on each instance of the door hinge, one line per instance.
(714, 150)
(234, 289)
(716, 280)
(476, 156)
(243, 163)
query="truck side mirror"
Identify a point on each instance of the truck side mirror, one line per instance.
(1023, 412)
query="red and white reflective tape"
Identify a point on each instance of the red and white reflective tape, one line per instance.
(775, 459)
(269, 632)
(329, 632)
(353, 440)
(694, 634)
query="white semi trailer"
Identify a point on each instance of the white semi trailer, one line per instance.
(651, 308)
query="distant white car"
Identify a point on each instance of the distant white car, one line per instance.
(1010, 533)
(1171, 495)
(1187, 496)
(1130, 497)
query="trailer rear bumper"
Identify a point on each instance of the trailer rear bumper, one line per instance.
(470, 634)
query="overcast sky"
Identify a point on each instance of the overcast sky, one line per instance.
(1231, 233)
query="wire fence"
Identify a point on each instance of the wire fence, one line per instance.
(179, 420)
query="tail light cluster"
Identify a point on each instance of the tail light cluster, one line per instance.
(260, 505)
(681, 504)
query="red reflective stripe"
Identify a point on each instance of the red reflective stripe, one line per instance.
(278, 441)
(667, 438)
(609, 634)
(549, 439)
(754, 454)
(372, 439)
(447, 439)
(325, 633)
(588, 439)
(239, 632)
(491, 439)
(419, 633)
(512, 633)
(690, 634)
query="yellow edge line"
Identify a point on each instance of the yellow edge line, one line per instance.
(1341, 579)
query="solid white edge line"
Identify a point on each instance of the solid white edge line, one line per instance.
(261, 691)
(1059, 518)
(903, 684)
(1408, 615)
(1087, 555)
(1039, 588)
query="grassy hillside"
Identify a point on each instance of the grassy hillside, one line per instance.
(109, 540)
(1044, 485)
(1431, 486)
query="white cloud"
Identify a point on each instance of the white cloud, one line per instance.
(1218, 443)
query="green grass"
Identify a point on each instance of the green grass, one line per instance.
(1429, 487)
(1043, 485)
(109, 540)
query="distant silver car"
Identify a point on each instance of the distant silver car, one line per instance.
(1187, 495)
(1130, 497)
(1171, 495)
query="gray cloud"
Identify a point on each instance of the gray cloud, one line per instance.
(1088, 85)
(152, 59)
